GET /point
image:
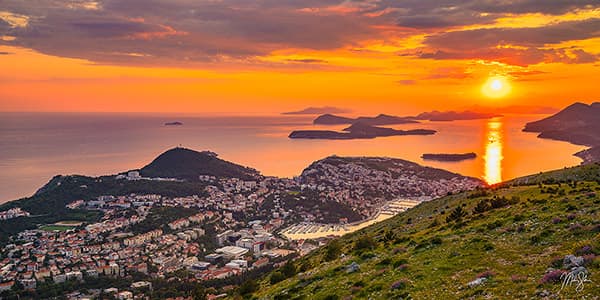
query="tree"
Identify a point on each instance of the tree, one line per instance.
(333, 250)
(289, 269)
(276, 277)
(456, 215)
(248, 287)
(364, 242)
(481, 207)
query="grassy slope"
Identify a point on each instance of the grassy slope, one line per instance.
(517, 243)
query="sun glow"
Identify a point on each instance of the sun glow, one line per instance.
(496, 87)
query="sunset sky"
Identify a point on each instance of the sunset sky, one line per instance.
(255, 57)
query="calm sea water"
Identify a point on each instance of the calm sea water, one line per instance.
(36, 146)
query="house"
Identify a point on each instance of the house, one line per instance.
(6, 286)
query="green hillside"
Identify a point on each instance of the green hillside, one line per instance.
(514, 236)
(189, 164)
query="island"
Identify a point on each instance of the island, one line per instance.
(176, 123)
(448, 156)
(358, 130)
(381, 119)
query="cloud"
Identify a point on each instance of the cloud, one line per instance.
(407, 82)
(5, 53)
(308, 60)
(517, 46)
(537, 36)
(182, 31)
(187, 32)
(448, 72)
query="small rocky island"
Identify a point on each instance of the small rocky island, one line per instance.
(176, 123)
(449, 156)
(357, 130)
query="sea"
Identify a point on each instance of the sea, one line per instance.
(36, 146)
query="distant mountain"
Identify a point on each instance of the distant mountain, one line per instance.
(188, 164)
(578, 123)
(358, 130)
(513, 242)
(318, 111)
(454, 115)
(382, 119)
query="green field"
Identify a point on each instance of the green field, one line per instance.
(56, 227)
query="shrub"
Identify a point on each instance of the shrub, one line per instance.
(589, 259)
(587, 249)
(486, 274)
(333, 250)
(556, 220)
(552, 277)
(571, 217)
(367, 255)
(435, 223)
(399, 250)
(557, 262)
(384, 262)
(276, 277)
(400, 284)
(248, 287)
(289, 269)
(575, 227)
(399, 262)
(518, 278)
(364, 242)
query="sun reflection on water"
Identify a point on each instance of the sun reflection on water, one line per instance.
(493, 152)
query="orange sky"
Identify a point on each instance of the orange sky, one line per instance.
(367, 56)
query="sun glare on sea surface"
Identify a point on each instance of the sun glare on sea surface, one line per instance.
(493, 152)
(496, 87)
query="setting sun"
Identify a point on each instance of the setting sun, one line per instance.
(496, 87)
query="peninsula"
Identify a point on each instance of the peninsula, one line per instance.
(578, 123)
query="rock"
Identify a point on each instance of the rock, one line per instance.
(571, 261)
(477, 282)
(543, 293)
(578, 270)
(353, 267)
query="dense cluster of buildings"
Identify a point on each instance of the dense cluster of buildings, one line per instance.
(13, 213)
(243, 217)
(366, 185)
(110, 248)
